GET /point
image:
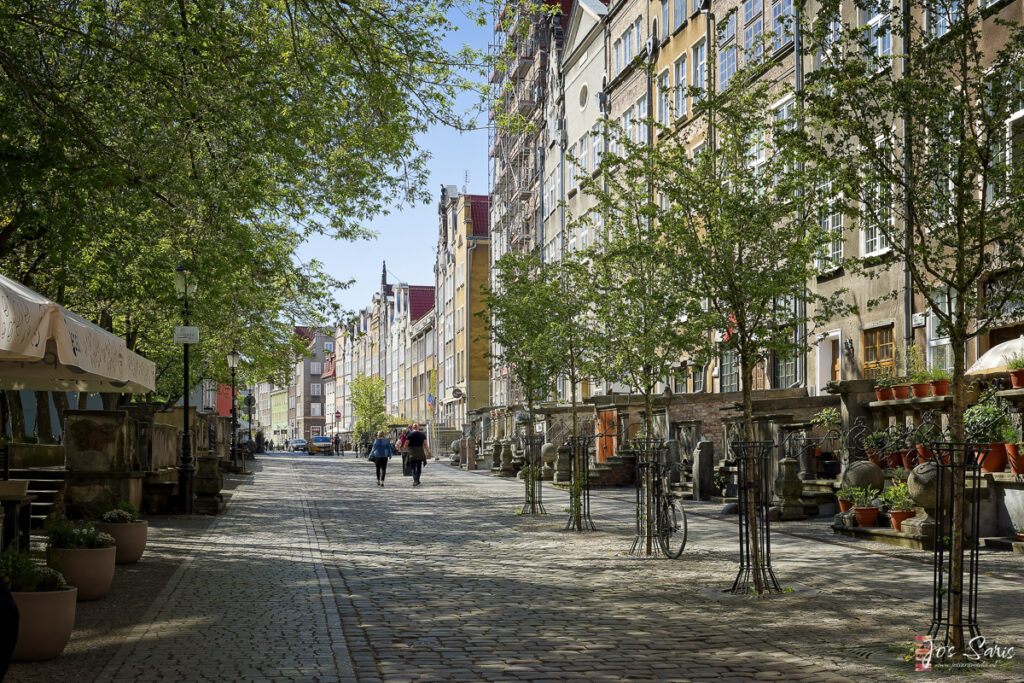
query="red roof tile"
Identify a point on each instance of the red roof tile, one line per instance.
(421, 301)
(479, 211)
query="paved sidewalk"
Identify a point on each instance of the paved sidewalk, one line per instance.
(315, 573)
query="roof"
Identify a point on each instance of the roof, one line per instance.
(421, 301)
(304, 332)
(329, 366)
(479, 209)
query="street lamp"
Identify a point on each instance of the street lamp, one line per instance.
(185, 286)
(233, 363)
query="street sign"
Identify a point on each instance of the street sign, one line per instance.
(186, 335)
(337, 414)
(456, 392)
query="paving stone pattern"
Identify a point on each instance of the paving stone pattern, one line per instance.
(315, 573)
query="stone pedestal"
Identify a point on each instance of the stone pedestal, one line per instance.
(563, 465)
(704, 471)
(788, 490)
(548, 455)
(507, 469)
(673, 456)
(468, 452)
(207, 485)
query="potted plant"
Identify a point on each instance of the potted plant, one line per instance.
(128, 530)
(921, 437)
(1020, 532)
(917, 367)
(1015, 363)
(46, 606)
(939, 381)
(983, 426)
(900, 388)
(874, 446)
(845, 496)
(864, 507)
(1014, 449)
(901, 505)
(83, 555)
(883, 387)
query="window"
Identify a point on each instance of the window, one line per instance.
(627, 47)
(730, 374)
(700, 67)
(942, 15)
(664, 99)
(680, 89)
(329, 347)
(730, 29)
(694, 6)
(679, 8)
(585, 153)
(878, 217)
(316, 409)
(782, 15)
(665, 18)
(573, 165)
(639, 127)
(314, 389)
(831, 220)
(698, 373)
(879, 33)
(627, 123)
(618, 56)
(940, 351)
(726, 65)
(878, 352)
(598, 145)
(753, 22)
(291, 402)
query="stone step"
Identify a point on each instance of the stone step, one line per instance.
(1009, 543)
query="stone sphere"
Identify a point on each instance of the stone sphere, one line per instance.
(548, 453)
(456, 446)
(864, 473)
(922, 482)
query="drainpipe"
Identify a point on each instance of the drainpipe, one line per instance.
(908, 285)
(798, 87)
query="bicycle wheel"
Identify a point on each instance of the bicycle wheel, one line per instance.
(671, 529)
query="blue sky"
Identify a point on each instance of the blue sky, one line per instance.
(407, 238)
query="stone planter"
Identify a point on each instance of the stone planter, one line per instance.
(896, 517)
(91, 570)
(44, 625)
(130, 538)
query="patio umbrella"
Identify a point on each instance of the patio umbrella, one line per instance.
(46, 347)
(994, 360)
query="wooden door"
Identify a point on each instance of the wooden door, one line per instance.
(606, 423)
(835, 360)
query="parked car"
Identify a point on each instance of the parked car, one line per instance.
(321, 444)
(298, 445)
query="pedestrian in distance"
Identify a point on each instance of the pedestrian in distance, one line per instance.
(380, 453)
(403, 449)
(418, 452)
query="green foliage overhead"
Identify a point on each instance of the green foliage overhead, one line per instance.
(368, 397)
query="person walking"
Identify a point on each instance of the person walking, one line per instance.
(418, 452)
(380, 453)
(403, 449)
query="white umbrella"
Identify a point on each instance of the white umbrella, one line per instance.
(46, 347)
(994, 360)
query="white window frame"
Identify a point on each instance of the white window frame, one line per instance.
(782, 23)
(664, 98)
(881, 45)
(936, 343)
(316, 409)
(939, 24)
(831, 220)
(679, 93)
(699, 75)
(315, 389)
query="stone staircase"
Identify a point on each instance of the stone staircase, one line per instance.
(47, 485)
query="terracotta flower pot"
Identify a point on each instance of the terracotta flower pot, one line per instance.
(995, 459)
(1016, 458)
(909, 459)
(895, 459)
(845, 505)
(130, 538)
(1020, 537)
(817, 453)
(901, 392)
(940, 387)
(91, 570)
(920, 389)
(923, 453)
(883, 393)
(866, 517)
(896, 517)
(44, 624)
(1017, 379)
(873, 456)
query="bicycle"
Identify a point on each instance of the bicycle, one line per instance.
(670, 518)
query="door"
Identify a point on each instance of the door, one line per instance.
(835, 361)
(606, 422)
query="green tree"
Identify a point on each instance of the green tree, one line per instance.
(922, 110)
(368, 407)
(517, 314)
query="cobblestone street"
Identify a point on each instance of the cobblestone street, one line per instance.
(315, 573)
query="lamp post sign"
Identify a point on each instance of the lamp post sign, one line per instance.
(186, 334)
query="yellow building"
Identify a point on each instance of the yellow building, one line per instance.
(462, 270)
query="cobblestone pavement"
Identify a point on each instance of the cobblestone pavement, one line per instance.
(315, 573)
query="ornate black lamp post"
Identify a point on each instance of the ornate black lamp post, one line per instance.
(185, 286)
(233, 363)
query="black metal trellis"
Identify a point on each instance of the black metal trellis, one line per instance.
(650, 453)
(579, 465)
(958, 470)
(533, 503)
(754, 460)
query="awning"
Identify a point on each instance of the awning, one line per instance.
(46, 347)
(994, 361)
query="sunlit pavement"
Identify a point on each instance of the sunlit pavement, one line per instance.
(316, 573)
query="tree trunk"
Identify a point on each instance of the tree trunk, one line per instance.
(750, 466)
(17, 415)
(60, 401)
(83, 400)
(576, 485)
(44, 426)
(956, 523)
(531, 479)
(648, 445)
(108, 399)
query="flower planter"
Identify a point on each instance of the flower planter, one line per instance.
(1016, 458)
(845, 505)
(920, 389)
(909, 458)
(817, 453)
(44, 624)
(940, 387)
(883, 393)
(873, 457)
(866, 517)
(901, 392)
(923, 453)
(995, 459)
(130, 538)
(1020, 537)
(1017, 379)
(91, 570)
(896, 517)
